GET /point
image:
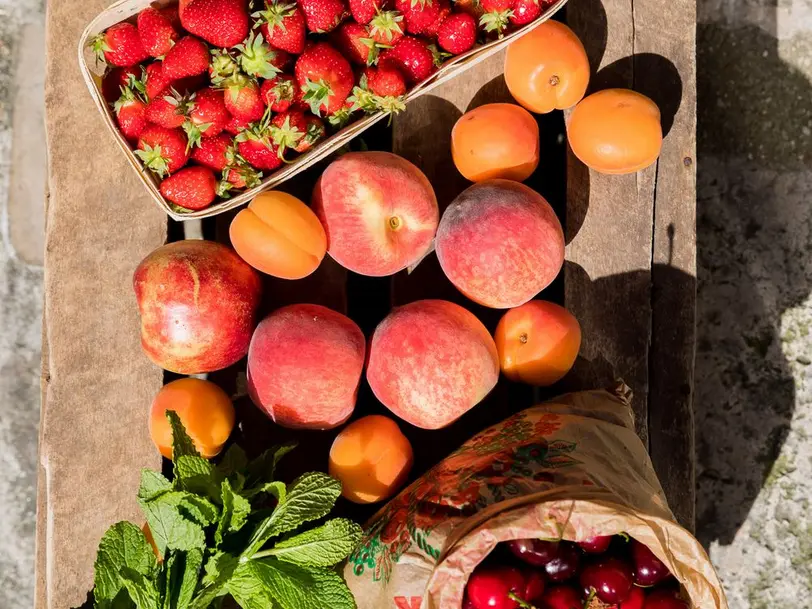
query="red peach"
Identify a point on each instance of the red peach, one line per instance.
(379, 212)
(500, 243)
(304, 366)
(431, 361)
(198, 302)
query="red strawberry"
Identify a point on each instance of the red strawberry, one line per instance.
(259, 60)
(168, 109)
(364, 10)
(213, 152)
(525, 11)
(171, 13)
(222, 66)
(162, 150)
(222, 23)
(385, 81)
(130, 114)
(208, 115)
(236, 124)
(256, 146)
(353, 41)
(457, 34)
(280, 93)
(418, 15)
(386, 27)
(322, 15)
(188, 57)
(117, 78)
(242, 98)
(325, 78)
(343, 115)
(191, 188)
(442, 13)
(496, 15)
(155, 81)
(283, 26)
(412, 57)
(315, 132)
(119, 46)
(156, 32)
(287, 130)
(239, 175)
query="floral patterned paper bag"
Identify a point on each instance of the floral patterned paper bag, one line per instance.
(570, 468)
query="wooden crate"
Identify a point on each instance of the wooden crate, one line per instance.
(629, 278)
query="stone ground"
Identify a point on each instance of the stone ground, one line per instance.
(754, 359)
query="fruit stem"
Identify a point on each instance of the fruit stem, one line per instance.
(554, 80)
(523, 338)
(395, 223)
(518, 599)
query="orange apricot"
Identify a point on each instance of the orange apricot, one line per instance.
(496, 141)
(372, 459)
(537, 342)
(204, 409)
(279, 235)
(547, 68)
(615, 131)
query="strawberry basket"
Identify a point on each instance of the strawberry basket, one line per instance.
(127, 10)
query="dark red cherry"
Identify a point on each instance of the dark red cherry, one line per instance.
(466, 603)
(490, 587)
(561, 597)
(565, 564)
(664, 599)
(648, 569)
(611, 578)
(635, 599)
(536, 552)
(596, 545)
(534, 582)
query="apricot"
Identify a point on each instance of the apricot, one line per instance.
(379, 212)
(547, 68)
(537, 342)
(204, 409)
(496, 141)
(279, 235)
(615, 131)
(431, 361)
(500, 243)
(304, 366)
(372, 459)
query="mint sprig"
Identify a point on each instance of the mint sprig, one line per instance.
(227, 529)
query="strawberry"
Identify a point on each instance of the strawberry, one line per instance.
(525, 11)
(259, 60)
(343, 115)
(418, 15)
(362, 98)
(154, 80)
(256, 146)
(238, 175)
(171, 13)
(162, 150)
(168, 109)
(457, 34)
(242, 98)
(280, 93)
(191, 188)
(353, 41)
(288, 129)
(386, 27)
(283, 26)
(156, 32)
(496, 15)
(315, 132)
(443, 12)
(117, 78)
(188, 57)
(119, 46)
(412, 57)
(222, 66)
(130, 114)
(214, 152)
(325, 78)
(322, 15)
(385, 81)
(222, 23)
(208, 115)
(236, 124)
(364, 10)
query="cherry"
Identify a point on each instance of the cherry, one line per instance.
(611, 579)
(648, 569)
(596, 545)
(490, 587)
(664, 599)
(536, 552)
(561, 597)
(466, 603)
(533, 586)
(565, 564)
(635, 599)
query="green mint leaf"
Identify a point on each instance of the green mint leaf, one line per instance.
(169, 526)
(263, 468)
(277, 489)
(234, 460)
(236, 509)
(323, 546)
(121, 601)
(182, 444)
(309, 497)
(143, 591)
(152, 484)
(249, 591)
(219, 569)
(182, 570)
(197, 475)
(198, 509)
(123, 545)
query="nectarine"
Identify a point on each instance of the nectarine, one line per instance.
(304, 366)
(372, 459)
(537, 342)
(500, 243)
(431, 361)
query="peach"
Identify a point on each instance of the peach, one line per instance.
(379, 212)
(431, 361)
(198, 302)
(304, 366)
(204, 409)
(537, 342)
(500, 243)
(371, 458)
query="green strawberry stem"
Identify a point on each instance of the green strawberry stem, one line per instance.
(154, 160)
(316, 95)
(256, 56)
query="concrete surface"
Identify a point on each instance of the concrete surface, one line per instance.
(754, 356)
